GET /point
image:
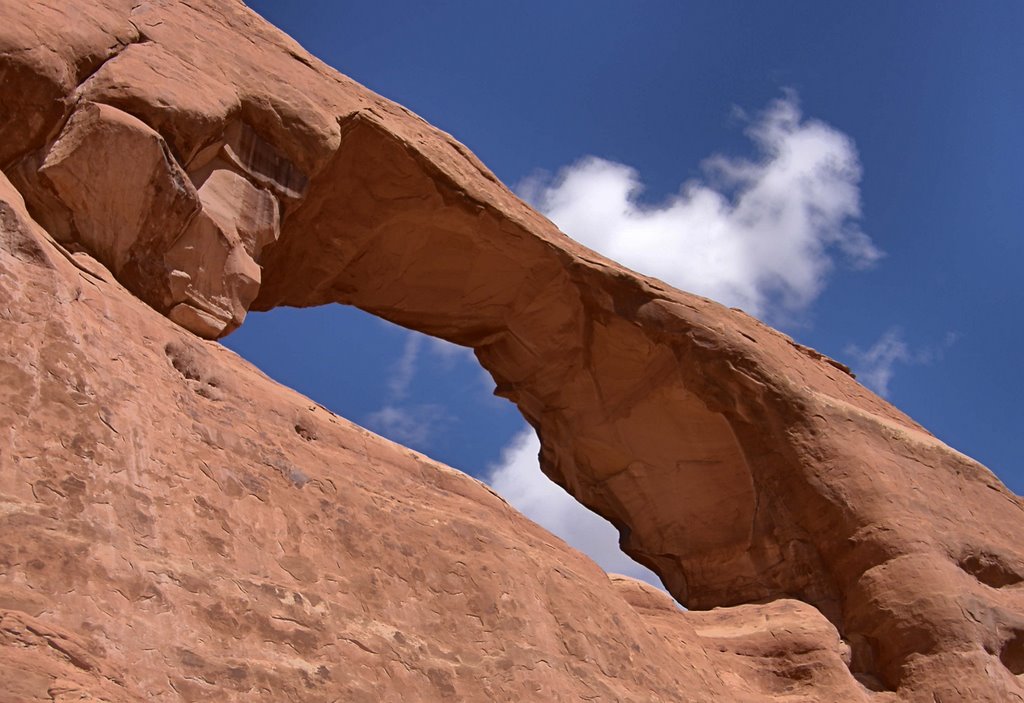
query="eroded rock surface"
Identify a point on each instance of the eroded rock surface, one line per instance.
(203, 533)
(180, 528)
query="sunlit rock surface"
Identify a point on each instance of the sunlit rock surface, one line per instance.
(179, 527)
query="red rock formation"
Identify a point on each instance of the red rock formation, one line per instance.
(181, 528)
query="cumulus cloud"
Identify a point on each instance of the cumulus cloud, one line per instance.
(519, 479)
(876, 365)
(758, 233)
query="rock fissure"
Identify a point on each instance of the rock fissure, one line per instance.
(112, 53)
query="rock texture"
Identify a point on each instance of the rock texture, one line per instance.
(178, 527)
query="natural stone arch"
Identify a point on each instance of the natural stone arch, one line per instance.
(844, 502)
(619, 427)
(709, 439)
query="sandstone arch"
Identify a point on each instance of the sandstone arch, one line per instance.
(739, 465)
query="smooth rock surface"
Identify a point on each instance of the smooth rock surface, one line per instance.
(206, 534)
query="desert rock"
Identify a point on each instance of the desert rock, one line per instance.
(202, 533)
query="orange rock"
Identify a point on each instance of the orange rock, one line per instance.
(202, 533)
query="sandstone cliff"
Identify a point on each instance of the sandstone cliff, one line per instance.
(179, 527)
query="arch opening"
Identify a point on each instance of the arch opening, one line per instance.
(621, 427)
(430, 396)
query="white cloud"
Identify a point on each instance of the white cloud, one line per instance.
(405, 367)
(876, 365)
(757, 234)
(449, 354)
(519, 479)
(411, 425)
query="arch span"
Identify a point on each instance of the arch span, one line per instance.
(621, 430)
(738, 464)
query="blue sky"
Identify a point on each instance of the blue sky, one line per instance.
(888, 135)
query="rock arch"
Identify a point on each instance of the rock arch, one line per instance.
(736, 463)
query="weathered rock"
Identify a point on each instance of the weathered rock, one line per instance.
(179, 527)
(127, 198)
(186, 252)
(213, 271)
(172, 535)
(40, 77)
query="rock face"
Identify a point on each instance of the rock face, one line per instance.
(179, 527)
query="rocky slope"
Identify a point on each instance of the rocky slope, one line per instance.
(179, 527)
